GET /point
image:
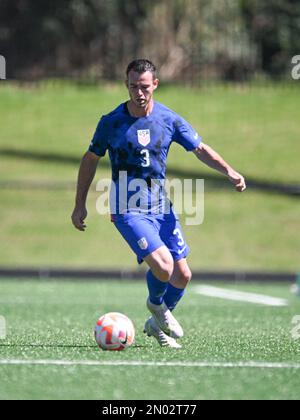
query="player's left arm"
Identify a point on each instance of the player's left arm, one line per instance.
(212, 159)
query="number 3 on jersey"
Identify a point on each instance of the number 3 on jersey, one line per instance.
(178, 233)
(146, 158)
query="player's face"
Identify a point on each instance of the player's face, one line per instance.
(141, 87)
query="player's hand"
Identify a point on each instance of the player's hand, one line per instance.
(78, 217)
(238, 181)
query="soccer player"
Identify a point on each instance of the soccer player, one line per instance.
(137, 135)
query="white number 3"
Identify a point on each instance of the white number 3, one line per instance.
(179, 236)
(146, 158)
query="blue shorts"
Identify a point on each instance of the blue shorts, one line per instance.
(146, 233)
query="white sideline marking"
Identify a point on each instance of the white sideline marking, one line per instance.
(239, 296)
(49, 362)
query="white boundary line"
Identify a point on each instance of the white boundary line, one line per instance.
(239, 296)
(50, 362)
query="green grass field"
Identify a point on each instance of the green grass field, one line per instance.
(53, 321)
(45, 129)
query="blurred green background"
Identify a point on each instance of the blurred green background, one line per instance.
(47, 126)
(225, 66)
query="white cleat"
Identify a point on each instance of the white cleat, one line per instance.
(153, 330)
(165, 320)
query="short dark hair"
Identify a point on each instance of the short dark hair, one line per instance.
(140, 66)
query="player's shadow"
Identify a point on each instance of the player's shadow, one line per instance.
(212, 181)
(67, 346)
(49, 346)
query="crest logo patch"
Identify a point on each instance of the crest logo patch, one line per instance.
(144, 137)
(143, 244)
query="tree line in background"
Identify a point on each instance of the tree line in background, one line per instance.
(188, 39)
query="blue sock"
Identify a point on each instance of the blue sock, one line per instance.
(173, 296)
(157, 288)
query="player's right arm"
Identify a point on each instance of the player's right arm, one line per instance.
(86, 175)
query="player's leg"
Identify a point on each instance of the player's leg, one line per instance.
(161, 263)
(181, 275)
(180, 278)
(142, 235)
(172, 236)
(161, 269)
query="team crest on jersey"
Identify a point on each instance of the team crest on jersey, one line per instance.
(143, 137)
(143, 244)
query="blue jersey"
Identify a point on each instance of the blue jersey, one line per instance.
(138, 150)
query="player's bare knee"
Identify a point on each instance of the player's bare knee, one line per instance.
(161, 264)
(167, 270)
(187, 276)
(182, 278)
(163, 271)
(165, 267)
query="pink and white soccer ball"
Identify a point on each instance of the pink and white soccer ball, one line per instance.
(114, 331)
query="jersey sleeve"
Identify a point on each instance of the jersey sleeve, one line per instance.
(99, 143)
(185, 135)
